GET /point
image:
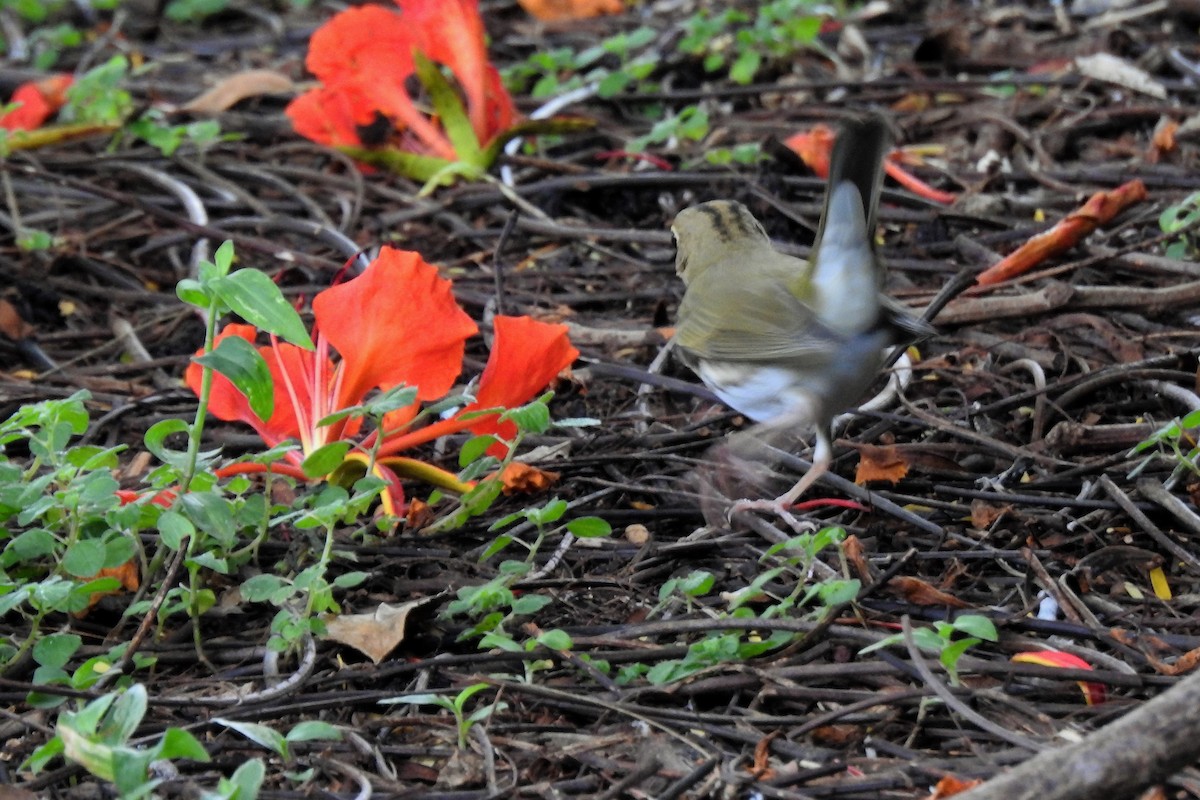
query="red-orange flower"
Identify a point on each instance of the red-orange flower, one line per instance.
(395, 324)
(1093, 693)
(815, 146)
(38, 100)
(364, 58)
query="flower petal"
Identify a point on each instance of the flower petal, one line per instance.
(396, 323)
(228, 403)
(363, 56)
(38, 99)
(451, 32)
(526, 356)
(365, 40)
(332, 115)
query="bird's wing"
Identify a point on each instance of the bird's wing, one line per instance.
(753, 321)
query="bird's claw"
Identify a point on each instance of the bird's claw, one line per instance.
(778, 507)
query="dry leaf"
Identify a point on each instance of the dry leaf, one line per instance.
(837, 735)
(853, 552)
(1111, 69)
(983, 514)
(761, 769)
(877, 463)
(126, 573)
(1163, 141)
(375, 634)
(920, 593)
(12, 324)
(549, 10)
(518, 478)
(238, 87)
(418, 515)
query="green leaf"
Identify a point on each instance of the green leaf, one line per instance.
(244, 366)
(259, 734)
(977, 625)
(325, 459)
(173, 528)
(474, 448)
(589, 527)
(555, 639)
(56, 649)
(126, 714)
(928, 640)
(30, 545)
(245, 781)
(350, 580)
(210, 512)
(84, 558)
(314, 730)
(410, 165)
(529, 604)
(449, 109)
(156, 436)
(178, 743)
(255, 298)
(551, 512)
(260, 587)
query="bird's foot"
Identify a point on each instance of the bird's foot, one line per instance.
(779, 507)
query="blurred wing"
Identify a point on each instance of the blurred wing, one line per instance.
(743, 320)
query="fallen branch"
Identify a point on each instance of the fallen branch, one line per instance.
(1142, 748)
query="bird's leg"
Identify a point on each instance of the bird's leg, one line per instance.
(822, 458)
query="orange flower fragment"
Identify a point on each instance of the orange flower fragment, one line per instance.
(126, 573)
(366, 58)
(38, 102)
(395, 324)
(951, 785)
(815, 146)
(1093, 693)
(555, 10)
(1098, 210)
(518, 478)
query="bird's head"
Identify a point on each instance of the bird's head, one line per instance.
(712, 232)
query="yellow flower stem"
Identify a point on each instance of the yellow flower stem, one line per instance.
(423, 471)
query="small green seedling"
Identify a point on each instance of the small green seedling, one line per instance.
(940, 640)
(457, 706)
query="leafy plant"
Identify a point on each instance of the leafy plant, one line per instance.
(1183, 215)
(941, 640)
(97, 737)
(303, 599)
(495, 605)
(63, 522)
(98, 96)
(742, 43)
(167, 139)
(613, 65)
(792, 558)
(690, 123)
(194, 10)
(278, 743)
(463, 722)
(1177, 439)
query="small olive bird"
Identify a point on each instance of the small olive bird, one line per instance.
(785, 341)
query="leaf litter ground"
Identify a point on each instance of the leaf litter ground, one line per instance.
(1014, 433)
